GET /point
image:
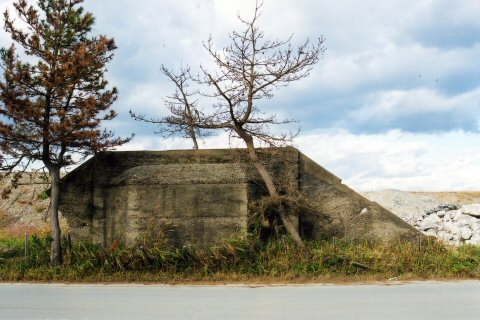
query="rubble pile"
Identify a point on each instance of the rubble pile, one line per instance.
(450, 223)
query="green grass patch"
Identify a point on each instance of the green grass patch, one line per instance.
(241, 259)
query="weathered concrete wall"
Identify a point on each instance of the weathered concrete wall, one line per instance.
(187, 214)
(195, 204)
(200, 197)
(341, 212)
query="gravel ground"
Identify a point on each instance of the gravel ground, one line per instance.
(453, 217)
(404, 203)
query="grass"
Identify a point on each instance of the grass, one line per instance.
(242, 259)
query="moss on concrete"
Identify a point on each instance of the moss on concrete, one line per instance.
(203, 196)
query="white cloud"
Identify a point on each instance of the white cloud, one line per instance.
(391, 104)
(156, 142)
(148, 98)
(385, 61)
(391, 65)
(373, 52)
(395, 160)
(398, 160)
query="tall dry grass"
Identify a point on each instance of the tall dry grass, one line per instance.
(243, 258)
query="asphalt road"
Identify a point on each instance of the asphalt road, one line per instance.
(419, 300)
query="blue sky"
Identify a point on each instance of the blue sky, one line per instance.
(393, 103)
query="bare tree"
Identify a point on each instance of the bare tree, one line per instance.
(182, 107)
(251, 68)
(52, 107)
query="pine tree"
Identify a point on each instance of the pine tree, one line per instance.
(54, 96)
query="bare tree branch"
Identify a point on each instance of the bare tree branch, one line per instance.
(249, 69)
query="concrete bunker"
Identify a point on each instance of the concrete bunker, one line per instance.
(198, 197)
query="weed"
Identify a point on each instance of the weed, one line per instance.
(241, 258)
(43, 195)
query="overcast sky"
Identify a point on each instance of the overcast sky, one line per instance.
(393, 103)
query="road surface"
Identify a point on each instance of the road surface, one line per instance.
(418, 300)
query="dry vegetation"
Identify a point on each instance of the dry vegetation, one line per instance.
(243, 259)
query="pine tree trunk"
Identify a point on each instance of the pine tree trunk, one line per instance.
(56, 257)
(272, 190)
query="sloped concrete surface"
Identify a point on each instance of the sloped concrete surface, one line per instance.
(198, 197)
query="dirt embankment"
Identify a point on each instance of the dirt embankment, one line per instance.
(24, 211)
(458, 198)
(404, 203)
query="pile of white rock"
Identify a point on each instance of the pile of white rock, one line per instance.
(450, 223)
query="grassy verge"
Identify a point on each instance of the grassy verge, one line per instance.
(243, 259)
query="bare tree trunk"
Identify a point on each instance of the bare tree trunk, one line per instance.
(272, 190)
(191, 121)
(56, 257)
(194, 139)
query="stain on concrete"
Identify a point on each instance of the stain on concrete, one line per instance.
(202, 196)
